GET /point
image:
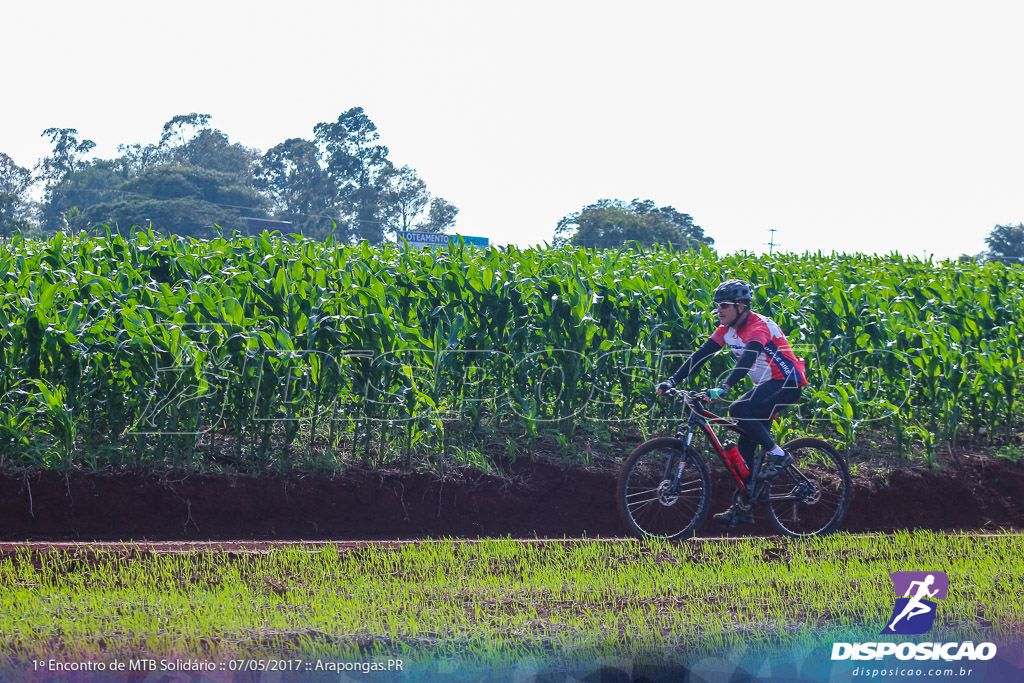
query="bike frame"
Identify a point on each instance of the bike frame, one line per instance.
(703, 419)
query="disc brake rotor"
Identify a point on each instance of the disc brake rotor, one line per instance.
(664, 497)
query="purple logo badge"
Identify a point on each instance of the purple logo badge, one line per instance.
(914, 612)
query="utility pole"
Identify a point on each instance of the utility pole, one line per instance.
(771, 240)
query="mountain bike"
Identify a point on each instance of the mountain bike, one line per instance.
(664, 490)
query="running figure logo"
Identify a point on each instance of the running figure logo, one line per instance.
(914, 613)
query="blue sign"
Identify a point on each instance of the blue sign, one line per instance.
(419, 240)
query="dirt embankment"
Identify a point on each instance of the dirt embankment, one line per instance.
(535, 498)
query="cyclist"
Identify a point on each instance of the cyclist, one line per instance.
(761, 351)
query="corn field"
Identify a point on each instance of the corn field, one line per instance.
(275, 353)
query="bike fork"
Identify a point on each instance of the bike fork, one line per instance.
(681, 465)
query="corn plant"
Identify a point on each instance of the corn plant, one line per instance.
(146, 348)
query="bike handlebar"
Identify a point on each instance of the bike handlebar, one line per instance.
(689, 396)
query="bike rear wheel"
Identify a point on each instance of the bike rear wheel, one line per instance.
(648, 502)
(811, 496)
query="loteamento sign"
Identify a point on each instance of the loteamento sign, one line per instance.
(420, 240)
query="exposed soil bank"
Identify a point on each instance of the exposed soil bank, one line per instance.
(535, 499)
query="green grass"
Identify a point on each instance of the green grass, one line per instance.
(500, 598)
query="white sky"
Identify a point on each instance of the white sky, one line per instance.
(867, 126)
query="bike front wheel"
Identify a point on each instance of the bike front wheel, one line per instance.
(653, 501)
(811, 496)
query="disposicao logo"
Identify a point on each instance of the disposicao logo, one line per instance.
(914, 612)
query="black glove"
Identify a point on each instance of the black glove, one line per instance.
(665, 386)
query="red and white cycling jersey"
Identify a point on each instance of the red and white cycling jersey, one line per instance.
(777, 361)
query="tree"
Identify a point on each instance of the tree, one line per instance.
(610, 223)
(93, 184)
(187, 139)
(404, 200)
(403, 197)
(211, 149)
(299, 188)
(175, 131)
(1006, 243)
(66, 156)
(177, 199)
(183, 216)
(136, 158)
(354, 164)
(440, 217)
(15, 182)
(191, 180)
(55, 169)
(178, 181)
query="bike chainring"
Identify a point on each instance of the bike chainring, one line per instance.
(741, 500)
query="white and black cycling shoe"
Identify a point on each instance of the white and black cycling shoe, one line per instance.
(776, 464)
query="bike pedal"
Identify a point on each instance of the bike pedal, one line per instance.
(732, 517)
(727, 517)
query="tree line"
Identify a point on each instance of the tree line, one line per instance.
(340, 182)
(194, 181)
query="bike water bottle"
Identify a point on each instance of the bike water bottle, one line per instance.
(736, 461)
